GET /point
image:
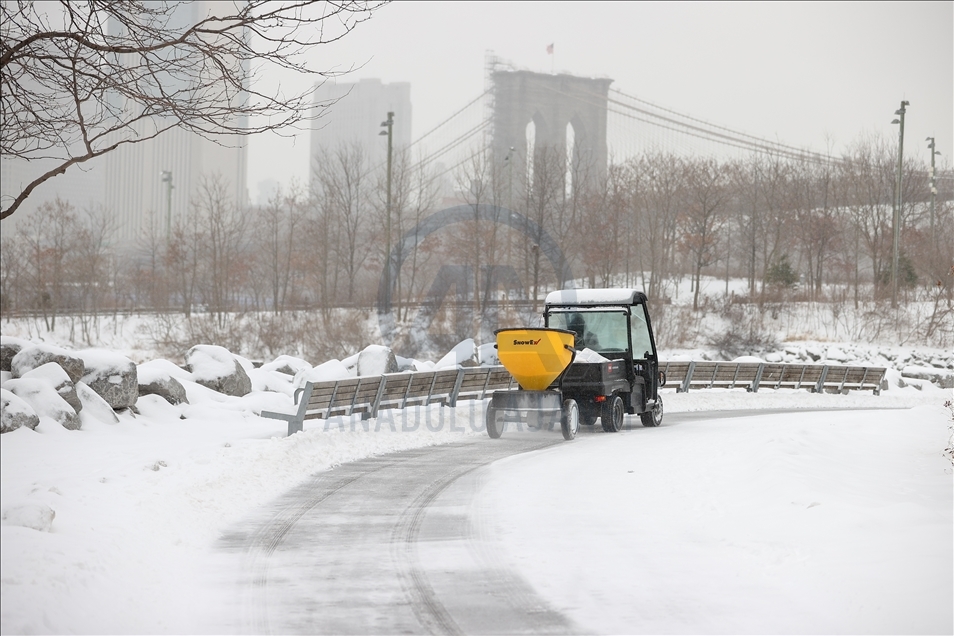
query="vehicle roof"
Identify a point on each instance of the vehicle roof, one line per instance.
(590, 297)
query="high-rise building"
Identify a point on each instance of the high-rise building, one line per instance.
(132, 183)
(355, 115)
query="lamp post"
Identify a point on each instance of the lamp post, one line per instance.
(896, 220)
(167, 179)
(933, 184)
(389, 124)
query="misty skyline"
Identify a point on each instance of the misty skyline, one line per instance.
(817, 76)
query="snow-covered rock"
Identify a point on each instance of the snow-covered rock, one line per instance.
(376, 360)
(944, 378)
(94, 406)
(835, 354)
(9, 347)
(464, 354)
(331, 370)
(44, 400)
(15, 413)
(38, 516)
(487, 354)
(289, 365)
(218, 369)
(55, 376)
(156, 379)
(36, 355)
(112, 375)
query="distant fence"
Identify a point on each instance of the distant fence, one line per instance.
(366, 396)
(755, 375)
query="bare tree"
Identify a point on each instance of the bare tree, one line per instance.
(49, 239)
(706, 195)
(341, 182)
(281, 220)
(81, 78)
(223, 262)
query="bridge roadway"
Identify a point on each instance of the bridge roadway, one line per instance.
(393, 545)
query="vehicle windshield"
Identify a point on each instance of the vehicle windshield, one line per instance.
(602, 331)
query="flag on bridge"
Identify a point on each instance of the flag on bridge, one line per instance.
(550, 49)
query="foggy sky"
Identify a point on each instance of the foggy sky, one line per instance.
(815, 75)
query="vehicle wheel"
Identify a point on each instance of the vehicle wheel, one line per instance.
(653, 417)
(494, 427)
(612, 414)
(570, 422)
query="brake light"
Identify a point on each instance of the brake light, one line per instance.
(600, 398)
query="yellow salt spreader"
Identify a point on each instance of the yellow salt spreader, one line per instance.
(618, 373)
(536, 358)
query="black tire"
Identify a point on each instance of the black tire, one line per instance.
(494, 428)
(653, 417)
(612, 414)
(570, 421)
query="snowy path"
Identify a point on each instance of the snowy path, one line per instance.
(742, 522)
(387, 545)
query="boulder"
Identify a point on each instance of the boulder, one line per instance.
(15, 413)
(55, 376)
(9, 347)
(463, 354)
(944, 378)
(289, 365)
(45, 401)
(164, 385)
(35, 515)
(111, 375)
(94, 406)
(376, 360)
(36, 355)
(216, 368)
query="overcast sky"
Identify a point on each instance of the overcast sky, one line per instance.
(807, 74)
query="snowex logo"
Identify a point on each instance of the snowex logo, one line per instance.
(527, 342)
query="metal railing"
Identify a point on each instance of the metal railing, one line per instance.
(369, 395)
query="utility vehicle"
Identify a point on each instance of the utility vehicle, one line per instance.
(595, 358)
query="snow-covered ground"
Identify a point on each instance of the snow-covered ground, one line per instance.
(828, 522)
(822, 521)
(139, 505)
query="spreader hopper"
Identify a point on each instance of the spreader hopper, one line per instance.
(535, 357)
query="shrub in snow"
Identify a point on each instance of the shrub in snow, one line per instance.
(15, 412)
(216, 368)
(155, 381)
(94, 406)
(376, 360)
(9, 347)
(54, 375)
(112, 375)
(44, 400)
(38, 516)
(289, 365)
(33, 356)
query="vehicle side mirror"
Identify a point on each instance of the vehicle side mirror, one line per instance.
(662, 378)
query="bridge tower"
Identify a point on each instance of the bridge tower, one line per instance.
(552, 103)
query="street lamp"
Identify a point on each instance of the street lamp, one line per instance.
(896, 220)
(933, 183)
(389, 124)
